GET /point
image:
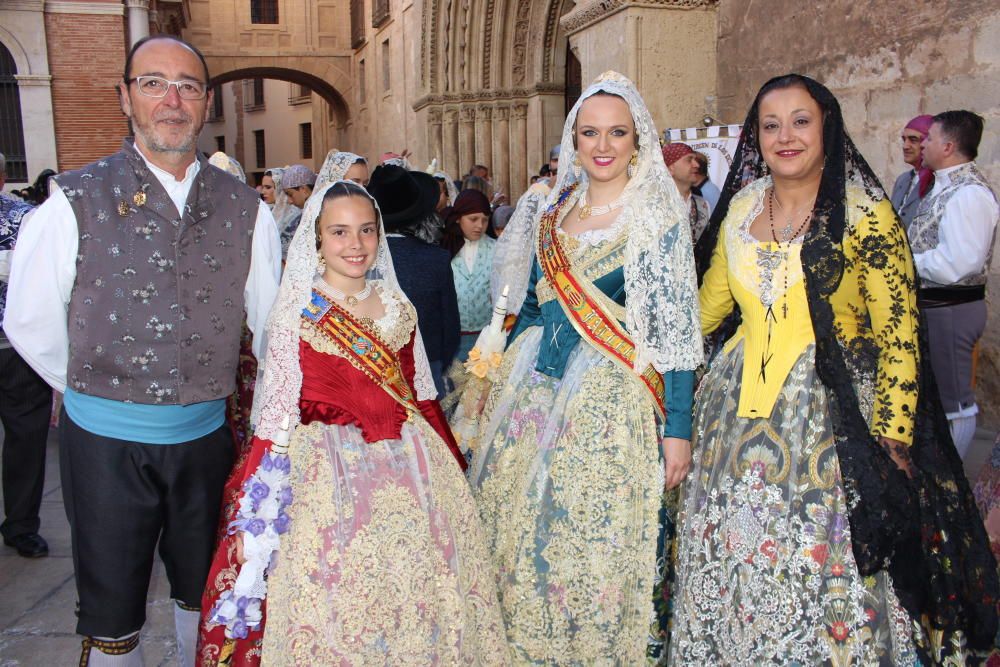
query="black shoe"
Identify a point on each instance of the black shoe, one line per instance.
(29, 545)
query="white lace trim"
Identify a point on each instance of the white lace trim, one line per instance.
(514, 252)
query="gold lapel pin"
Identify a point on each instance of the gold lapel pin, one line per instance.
(123, 208)
(139, 198)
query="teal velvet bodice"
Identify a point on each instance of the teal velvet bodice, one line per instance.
(559, 339)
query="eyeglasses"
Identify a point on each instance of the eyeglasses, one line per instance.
(157, 86)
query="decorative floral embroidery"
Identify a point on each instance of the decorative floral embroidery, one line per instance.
(569, 486)
(765, 564)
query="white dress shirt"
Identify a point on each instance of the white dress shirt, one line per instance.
(43, 273)
(468, 253)
(965, 233)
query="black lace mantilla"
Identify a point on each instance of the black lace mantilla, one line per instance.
(953, 587)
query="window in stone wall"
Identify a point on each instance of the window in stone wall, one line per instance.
(264, 11)
(298, 94)
(362, 91)
(217, 112)
(357, 23)
(220, 143)
(253, 94)
(258, 144)
(380, 12)
(306, 140)
(11, 128)
(385, 67)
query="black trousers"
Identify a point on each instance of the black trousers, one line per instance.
(121, 499)
(25, 407)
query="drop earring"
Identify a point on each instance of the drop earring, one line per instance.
(633, 163)
(320, 262)
(577, 166)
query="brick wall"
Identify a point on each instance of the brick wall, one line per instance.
(86, 57)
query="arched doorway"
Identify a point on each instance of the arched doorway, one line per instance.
(493, 85)
(273, 116)
(11, 126)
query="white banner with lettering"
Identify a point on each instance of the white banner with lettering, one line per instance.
(718, 149)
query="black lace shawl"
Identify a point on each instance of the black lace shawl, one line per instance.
(926, 531)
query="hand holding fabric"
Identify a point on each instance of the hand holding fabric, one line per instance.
(676, 461)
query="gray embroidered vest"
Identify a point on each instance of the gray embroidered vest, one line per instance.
(924, 230)
(157, 308)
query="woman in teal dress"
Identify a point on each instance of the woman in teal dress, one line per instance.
(590, 417)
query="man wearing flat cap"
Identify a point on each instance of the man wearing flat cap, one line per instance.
(408, 200)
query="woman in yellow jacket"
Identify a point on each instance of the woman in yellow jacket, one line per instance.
(827, 519)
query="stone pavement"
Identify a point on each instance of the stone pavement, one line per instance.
(37, 597)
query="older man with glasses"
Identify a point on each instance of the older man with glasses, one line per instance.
(128, 291)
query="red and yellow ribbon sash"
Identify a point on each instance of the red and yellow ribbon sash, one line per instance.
(361, 347)
(584, 309)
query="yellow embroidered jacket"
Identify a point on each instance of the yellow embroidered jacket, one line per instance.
(874, 308)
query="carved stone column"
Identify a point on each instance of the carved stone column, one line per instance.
(449, 160)
(38, 121)
(501, 151)
(518, 149)
(467, 140)
(649, 42)
(138, 20)
(435, 146)
(484, 136)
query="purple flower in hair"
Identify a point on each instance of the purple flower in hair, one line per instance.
(283, 463)
(281, 523)
(266, 463)
(285, 496)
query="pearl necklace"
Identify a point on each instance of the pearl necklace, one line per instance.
(352, 300)
(586, 210)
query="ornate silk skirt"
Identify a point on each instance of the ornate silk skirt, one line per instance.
(766, 573)
(569, 483)
(385, 562)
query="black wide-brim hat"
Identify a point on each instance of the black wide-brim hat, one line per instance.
(403, 196)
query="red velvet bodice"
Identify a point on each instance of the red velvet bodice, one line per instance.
(335, 392)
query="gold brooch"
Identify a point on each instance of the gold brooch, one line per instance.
(123, 208)
(139, 198)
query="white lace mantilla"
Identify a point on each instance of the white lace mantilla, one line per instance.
(661, 303)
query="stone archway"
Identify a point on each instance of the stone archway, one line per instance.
(492, 83)
(226, 72)
(329, 121)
